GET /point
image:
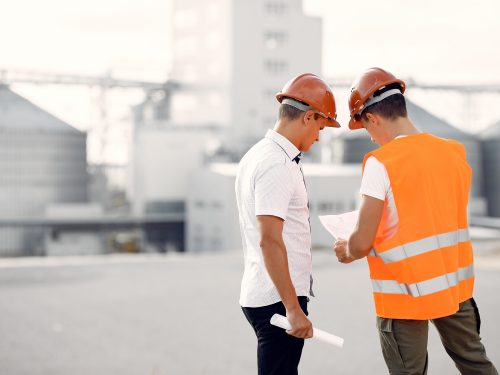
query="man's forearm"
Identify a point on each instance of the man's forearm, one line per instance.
(276, 261)
(370, 215)
(357, 246)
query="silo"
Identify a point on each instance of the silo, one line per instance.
(357, 143)
(42, 161)
(491, 167)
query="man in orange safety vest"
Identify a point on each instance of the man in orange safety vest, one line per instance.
(413, 230)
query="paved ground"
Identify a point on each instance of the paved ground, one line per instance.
(179, 315)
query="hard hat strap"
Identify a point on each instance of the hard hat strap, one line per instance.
(296, 104)
(375, 99)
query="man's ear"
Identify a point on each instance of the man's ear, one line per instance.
(372, 118)
(308, 116)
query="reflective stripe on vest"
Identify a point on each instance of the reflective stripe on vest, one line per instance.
(422, 246)
(423, 288)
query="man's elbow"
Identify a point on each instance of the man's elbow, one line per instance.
(267, 242)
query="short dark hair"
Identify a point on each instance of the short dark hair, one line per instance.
(391, 108)
(291, 113)
(288, 112)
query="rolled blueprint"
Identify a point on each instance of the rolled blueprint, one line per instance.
(282, 322)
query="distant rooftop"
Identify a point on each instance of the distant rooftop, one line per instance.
(18, 113)
(426, 122)
(492, 131)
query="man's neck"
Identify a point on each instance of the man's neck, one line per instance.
(285, 128)
(401, 127)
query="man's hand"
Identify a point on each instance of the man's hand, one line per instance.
(301, 325)
(342, 251)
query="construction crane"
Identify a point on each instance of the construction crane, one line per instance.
(345, 82)
(107, 82)
(104, 83)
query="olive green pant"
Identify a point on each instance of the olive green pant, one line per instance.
(404, 342)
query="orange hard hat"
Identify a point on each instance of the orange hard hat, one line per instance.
(363, 89)
(308, 88)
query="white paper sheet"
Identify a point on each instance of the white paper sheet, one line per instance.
(340, 226)
(282, 322)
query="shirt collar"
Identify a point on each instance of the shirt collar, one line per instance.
(287, 146)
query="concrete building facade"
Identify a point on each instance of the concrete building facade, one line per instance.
(239, 54)
(212, 214)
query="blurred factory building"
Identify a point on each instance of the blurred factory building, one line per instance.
(239, 54)
(177, 134)
(213, 217)
(491, 168)
(229, 60)
(42, 161)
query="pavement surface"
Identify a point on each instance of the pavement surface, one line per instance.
(178, 314)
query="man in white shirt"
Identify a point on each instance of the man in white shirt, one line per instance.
(274, 221)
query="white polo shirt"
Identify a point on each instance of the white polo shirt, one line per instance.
(270, 182)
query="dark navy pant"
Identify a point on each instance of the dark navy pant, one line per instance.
(278, 353)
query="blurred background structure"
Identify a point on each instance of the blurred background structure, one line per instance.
(149, 164)
(121, 125)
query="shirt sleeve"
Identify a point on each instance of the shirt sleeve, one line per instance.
(273, 191)
(375, 181)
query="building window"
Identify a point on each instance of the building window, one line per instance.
(353, 205)
(325, 206)
(216, 243)
(185, 18)
(339, 206)
(275, 66)
(198, 243)
(275, 39)
(276, 8)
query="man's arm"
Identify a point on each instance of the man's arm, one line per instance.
(361, 240)
(276, 262)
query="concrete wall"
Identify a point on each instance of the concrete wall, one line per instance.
(162, 160)
(212, 216)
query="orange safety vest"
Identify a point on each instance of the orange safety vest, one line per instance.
(426, 269)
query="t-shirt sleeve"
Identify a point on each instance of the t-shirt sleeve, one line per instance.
(375, 181)
(273, 191)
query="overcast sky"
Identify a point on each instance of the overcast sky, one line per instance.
(439, 41)
(445, 40)
(452, 41)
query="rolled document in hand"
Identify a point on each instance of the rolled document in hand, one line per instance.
(282, 322)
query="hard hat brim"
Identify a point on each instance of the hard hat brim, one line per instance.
(354, 124)
(334, 123)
